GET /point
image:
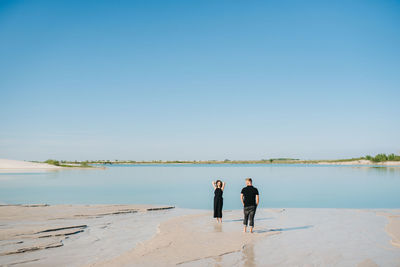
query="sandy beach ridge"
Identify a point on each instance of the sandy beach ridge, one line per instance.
(8, 164)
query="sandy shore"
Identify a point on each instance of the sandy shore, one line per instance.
(361, 162)
(290, 237)
(136, 235)
(74, 235)
(8, 165)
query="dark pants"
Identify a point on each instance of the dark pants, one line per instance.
(249, 213)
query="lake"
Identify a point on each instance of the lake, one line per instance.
(189, 186)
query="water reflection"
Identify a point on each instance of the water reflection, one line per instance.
(248, 255)
(218, 227)
(393, 169)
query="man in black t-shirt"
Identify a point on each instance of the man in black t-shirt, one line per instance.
(250, 199)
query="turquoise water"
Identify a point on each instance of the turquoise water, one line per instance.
(189, 186)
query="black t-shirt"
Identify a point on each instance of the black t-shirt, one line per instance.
(249, 195)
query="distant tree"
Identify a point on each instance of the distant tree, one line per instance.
(271, 160)
(53, 162)
(84, 164)
(380, 158)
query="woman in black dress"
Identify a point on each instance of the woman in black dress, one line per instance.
(218, 200)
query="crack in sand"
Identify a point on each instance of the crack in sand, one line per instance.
(22, 262)
(62, 228)
(161, 208)
(34, 248)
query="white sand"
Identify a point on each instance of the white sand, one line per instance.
(361, 162)
(129, 235)
(19, 165)
(73, 235)
(291, 237)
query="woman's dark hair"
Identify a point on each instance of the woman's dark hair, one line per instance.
(218, 181)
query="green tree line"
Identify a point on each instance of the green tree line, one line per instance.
(383, 157)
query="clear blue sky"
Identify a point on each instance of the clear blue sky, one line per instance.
(199, 79)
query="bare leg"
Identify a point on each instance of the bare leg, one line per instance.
(245, 229)
(251, 229)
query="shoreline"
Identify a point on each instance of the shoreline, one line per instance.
(17, 166)
(148, 235)
(322, 162)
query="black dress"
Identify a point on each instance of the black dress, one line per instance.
(218, 202)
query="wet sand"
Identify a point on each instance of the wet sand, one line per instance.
(74, 235)
(283, 237)
(185, 240)
(393, 226)
(135, 235)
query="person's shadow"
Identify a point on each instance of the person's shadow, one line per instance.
(284, 229)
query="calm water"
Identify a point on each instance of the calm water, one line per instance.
(189, 186)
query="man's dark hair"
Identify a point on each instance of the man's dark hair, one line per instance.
(249, 179)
